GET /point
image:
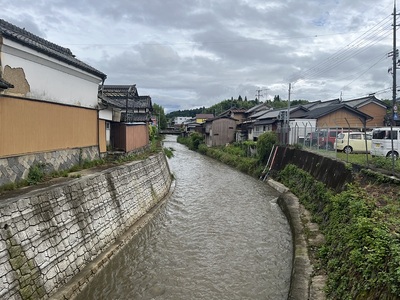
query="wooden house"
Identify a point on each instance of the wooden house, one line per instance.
(127, 116)
(201, 118)
(371, 106)
(219, 131)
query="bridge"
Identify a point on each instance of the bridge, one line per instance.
(170, 131)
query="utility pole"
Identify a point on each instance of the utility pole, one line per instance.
(394, 87)
(288, 113)
(258, 95)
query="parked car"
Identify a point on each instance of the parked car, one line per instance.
(382, 141)
(324, 139)
(350, 142)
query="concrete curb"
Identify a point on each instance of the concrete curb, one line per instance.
(302, 286)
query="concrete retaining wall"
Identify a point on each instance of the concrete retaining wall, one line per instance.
(333, 173)
(15, 168)
(49, 235)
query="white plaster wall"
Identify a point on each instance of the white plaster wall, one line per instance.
(50, 79)
(105, 114)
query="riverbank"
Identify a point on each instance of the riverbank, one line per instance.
(49, 235)
(305, 284)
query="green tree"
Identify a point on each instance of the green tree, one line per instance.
(265, 143)
(158, 112)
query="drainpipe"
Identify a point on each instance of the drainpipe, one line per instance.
(98, 120)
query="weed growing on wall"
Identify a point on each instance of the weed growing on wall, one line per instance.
(36, 174)
(361, 255)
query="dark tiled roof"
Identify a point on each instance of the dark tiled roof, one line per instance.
(325, 110)
(41, 45)
(204, 116)
(359, 102)
(220, 117)
(4, 84)
(258, 107)
(117, 92)
(265, 122)
(116, 96)
(135, 117)
(318, 104)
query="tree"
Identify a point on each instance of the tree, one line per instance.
(158, 112)
(240, 98)
(277, 98)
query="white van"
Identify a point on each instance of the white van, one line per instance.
(382, 141)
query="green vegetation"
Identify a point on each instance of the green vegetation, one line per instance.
(168, 152)
(193, 141)
(158, 112)
(240, 155)
(361, 255)
(265, 143)
(36, 174)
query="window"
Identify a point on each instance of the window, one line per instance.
(384, 135)
(355, 136)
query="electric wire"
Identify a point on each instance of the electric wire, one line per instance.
(359, 45)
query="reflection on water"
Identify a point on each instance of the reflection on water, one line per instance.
(221, 235)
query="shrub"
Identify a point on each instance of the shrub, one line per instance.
(361, 254)
(195, 140)
(265, 143)
(36, 174)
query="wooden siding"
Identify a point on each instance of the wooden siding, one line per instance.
(28, 126)
(377, 112)
(102, 136)
(128, 137)
(338, 120)
(223, 132)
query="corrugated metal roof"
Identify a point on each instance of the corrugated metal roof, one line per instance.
(23, 37)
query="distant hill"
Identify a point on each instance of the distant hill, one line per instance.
(224, 105)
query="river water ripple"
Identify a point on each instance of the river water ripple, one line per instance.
(221, 235)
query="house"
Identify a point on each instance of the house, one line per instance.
(246, 128)
(371, 106)
(219, 131)
(178, 121)
(126, 116)
(273, 120)
(338, 116)
(238, 114)
(48, 105)
(201, 118)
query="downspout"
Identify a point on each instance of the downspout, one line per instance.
(98, 120)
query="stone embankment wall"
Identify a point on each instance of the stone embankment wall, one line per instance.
(16, 168)
(49, 235)
(333, 173)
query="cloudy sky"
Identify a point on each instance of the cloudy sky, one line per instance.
(193, 53)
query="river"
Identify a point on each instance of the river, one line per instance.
(221, 235)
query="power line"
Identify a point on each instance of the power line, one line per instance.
(373, 36)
